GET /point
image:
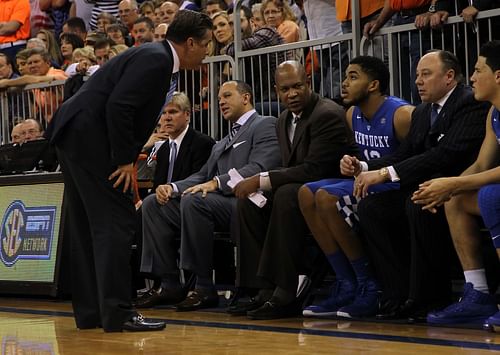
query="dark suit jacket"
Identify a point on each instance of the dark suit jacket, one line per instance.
(321, 139)
(447, 148)
(194, 152)
(252, 150)
(106, 123)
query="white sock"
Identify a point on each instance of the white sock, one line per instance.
(478, 279)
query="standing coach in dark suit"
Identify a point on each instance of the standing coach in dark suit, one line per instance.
(410, 248)
(98, 134)
(313, 136)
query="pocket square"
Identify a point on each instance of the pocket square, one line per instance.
(235, 145)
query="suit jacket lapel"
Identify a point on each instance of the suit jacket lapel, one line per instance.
(240, 132)
(441, 118)
(182, 152)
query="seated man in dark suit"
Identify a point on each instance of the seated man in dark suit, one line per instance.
(195, 206)
(313, 137)
(410, 248)
(192, 149)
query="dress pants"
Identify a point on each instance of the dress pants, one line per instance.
(194, 218)
(101, 223)
(409, 247)
(271, 241)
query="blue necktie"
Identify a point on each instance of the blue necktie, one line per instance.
(171, 163)
(434, 113)
(173, 87)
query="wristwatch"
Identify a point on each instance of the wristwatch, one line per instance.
(432, 8)
(384, 172)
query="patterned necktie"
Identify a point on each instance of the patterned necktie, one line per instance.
(234, 129)
(173, 85)
(171, 163)
(434, 113)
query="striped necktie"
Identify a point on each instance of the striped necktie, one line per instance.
(434, 113)
(173, 86)
(234, 129)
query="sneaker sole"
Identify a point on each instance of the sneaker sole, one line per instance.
(344, 315)
(308, 313)
(476, 320)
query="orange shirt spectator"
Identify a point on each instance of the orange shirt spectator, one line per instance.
(366, 8)
(14, 11)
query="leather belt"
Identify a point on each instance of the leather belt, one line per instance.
(12, 44)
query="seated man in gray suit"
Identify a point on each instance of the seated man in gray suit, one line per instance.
(195, 206)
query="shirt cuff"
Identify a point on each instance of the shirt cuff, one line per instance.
(265, 182)
(364, 166)
(393, 174)
(218, 182)
(174, 187)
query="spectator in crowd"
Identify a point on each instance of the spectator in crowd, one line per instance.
(257, 20)
(76, 26)
(129, 13)
(205, 203)
(51, 45)
(104, 19)
(147, 9)
(35, 43)
(102, 49)
(312, 136)
(14, 26)
(93, 37)
(117, 49)
(410, 247)
(17, 134)
(69, 42)
(223, 32)
(257, 68)
(329, 206)
(117, 33)
(32, 130)
(84, 62)
(21, 59)
(474, 193)
(143, 30)
(214, 6)
(160, 32)
(245, 16)
(82, 9)
(6, 68)
(277, 14)
(100, 6)
(167, 12)
(186, 5)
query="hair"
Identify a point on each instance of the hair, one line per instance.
(40, 51)
(280, 4)
(103, 42)
(216, 45)
(149, 23)
(86, 52)
(72, 39)
(116, 27)
(133, 4)
(188, 24)
(375, 69)
(449, 62)
(118, 48)
(257, 8)
(38, 124)
(146, 4)
(38, 41)
(8, 61)
(491, 51)
(181, 100)
(76, 23)
(222, 4)
(52, 46)
(23, 54)
(108, 16)
(242, 88)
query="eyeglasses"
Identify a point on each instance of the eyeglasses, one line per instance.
(271, 12)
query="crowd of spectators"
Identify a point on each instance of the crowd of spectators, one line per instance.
(92, 34)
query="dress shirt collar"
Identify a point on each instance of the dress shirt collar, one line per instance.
(244, 118)
(177, 62)
(179, 138)
(441, 102)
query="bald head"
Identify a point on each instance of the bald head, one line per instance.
(292, 86)
(291, 66)
(17, 134)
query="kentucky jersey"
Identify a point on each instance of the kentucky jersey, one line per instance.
(375, 137)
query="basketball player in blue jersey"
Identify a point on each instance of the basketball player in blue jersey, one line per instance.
(476, 192)
(379, 123)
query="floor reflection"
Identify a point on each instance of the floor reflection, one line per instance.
(22, 336)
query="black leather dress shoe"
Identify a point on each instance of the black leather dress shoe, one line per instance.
(139, 324)
(198, 300)
(273, 310)
(389, 309)
(160, 297)
(242, 307)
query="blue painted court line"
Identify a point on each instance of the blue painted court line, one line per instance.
(319, 332)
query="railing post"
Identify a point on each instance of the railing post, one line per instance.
(237, 72)
(356, 28)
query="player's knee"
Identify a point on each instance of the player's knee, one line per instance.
(306, 199)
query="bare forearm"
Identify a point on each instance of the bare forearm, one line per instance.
(475, 181)
(8, 28)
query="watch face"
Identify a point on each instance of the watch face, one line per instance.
(432, 8)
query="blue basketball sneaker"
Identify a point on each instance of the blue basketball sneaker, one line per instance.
(492, 323)
(366, 302)
(474, 307)
(343, 293)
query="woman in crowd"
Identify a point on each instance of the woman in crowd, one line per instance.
(104, 19)
(277, 14)
(222, 32)
(51, 45)
(69, 42)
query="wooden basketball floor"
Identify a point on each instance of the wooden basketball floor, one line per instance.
(30, 326)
